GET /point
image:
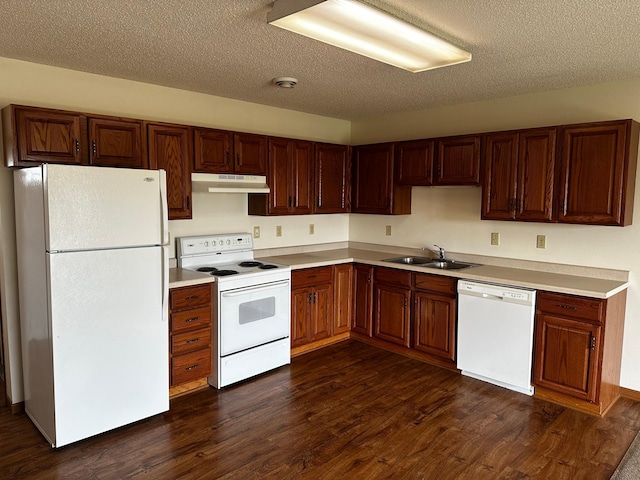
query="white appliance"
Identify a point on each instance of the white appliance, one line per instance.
(93, 288)
(252, 305)
(495, 334)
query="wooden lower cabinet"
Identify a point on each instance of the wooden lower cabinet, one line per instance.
(311, 305)
(434, 317)
(342, 298)
(392, 305)
(190, 312)
(578, 350)
(362, 319)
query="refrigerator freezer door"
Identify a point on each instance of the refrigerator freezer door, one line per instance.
(96, 208)
(109, 339)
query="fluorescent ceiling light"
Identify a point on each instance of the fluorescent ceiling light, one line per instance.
(365, 30)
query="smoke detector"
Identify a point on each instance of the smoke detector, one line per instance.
(285, 82)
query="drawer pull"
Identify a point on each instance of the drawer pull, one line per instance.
(568, 307)
(192, 319)
(193, 340)
(312, 276)
(192, 367)
(193, 297)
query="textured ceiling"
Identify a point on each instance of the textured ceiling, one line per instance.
(226, 48)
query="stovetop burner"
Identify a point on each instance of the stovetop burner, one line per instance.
(250, 264)
(207, 269)
(224, 273)
(267, 266)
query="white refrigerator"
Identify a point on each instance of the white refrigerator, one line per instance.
(93, 288)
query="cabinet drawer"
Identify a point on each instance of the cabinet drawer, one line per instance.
(187, 297)
(572, 306)
(393, 276)
(198, 317)
(189, 341)
(311, 276)
(436, 283)
(191, 366)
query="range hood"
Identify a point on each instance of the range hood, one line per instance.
(228, 183)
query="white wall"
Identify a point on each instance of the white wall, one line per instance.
(451, 216)
(40, 85)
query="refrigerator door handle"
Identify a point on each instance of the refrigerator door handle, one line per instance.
(164, 209)
(165, 284)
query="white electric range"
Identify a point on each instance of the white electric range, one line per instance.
(252, 305)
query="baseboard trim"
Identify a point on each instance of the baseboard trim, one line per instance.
(15, 407)
(631, 394)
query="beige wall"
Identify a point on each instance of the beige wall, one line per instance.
(33, 84)
(451, 216)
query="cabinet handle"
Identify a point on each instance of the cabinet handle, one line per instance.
(192, 319)
(369, 278)
(295, 200)
(94, 149)
(192, 367)
(193, 340)
(228, 156)
(568, 307)
(77, 146)
(289, 201)
(406, 302)
(315, 297)
(192, 297)
(237, 159)
(593, 342)
(312, 276)
(309, 299)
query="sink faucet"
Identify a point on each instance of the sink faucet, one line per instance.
(440, 252)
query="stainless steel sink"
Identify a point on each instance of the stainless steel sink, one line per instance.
(410, 260)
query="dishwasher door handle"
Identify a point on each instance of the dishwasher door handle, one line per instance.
(492, 297)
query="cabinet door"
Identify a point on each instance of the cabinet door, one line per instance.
(391, 314)
(49, 136)
(213, 151)
(566, 355)
(301, 300)
(372, 179)
(499, 189)
(251, 153)
(322, 313)
(170, 149)
(593, 174)
(435, 325)
(302, 160)
(342, 295)
(414, 162)
(458, 161)
(280, 198)
(332, 178)
(117, 143)
(536, 165)
(362, 299)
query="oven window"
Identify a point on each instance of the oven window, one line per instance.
(257, 310)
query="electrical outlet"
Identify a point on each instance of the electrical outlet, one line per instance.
(279, 231)
(388, 230)
(312, 229)
(541, 241)
(495, 238)
(256, 232)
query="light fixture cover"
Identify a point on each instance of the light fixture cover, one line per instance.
(365, 30)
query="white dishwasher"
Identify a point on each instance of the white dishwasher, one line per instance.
(495, 334)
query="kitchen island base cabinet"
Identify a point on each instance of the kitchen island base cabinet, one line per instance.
(578, 350)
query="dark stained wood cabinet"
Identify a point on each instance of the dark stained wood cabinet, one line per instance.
(434, 317)
(578, 350)
(290, 177)
(414, 162)
(170, 149)
(311, 305)
(342, 298)
(373, 184)
(392, 305)
(117, 143)
(190, 333)
(362, 299)
(457, 160)
(222, 151)
(519, 175)
(597, 174)
(332, 178)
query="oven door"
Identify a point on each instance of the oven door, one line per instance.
(253, 316)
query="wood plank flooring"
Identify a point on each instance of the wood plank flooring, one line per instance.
(348, 411)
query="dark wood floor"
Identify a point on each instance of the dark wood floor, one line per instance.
(349, 411)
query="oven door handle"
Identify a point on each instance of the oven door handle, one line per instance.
(260, 288)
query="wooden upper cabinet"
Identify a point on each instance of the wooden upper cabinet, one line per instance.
(301, 183)
(597, 176)
(414, 162)
(457, 161)
(519, 175)
(213, 151)
(39, 135)
(170, 149)
(332, 178)
(250, 152)
(374, 189)
(117, 143)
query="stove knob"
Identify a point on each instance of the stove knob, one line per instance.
(213, 243)
(206, 244)
(228, 242)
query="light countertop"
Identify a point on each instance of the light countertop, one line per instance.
(179, 277)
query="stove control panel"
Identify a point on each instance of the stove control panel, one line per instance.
(231, 242)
